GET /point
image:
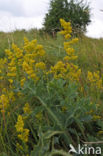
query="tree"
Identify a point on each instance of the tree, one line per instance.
(78, 13)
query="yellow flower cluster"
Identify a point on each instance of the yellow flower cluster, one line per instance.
(67, 28)
(40, 65)
(18, 147)
(32, 59)
(59, 70)
(4, 102)
(96, 117)
(65, 69)
(33, 48)
(23, 63)
(14, 62)
(28, 68)
(23, 133)
(6, 98)
(3, 63)
(27, 62)
(70, 54)
(95, 80)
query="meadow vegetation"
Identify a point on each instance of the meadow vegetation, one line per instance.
(51, 92)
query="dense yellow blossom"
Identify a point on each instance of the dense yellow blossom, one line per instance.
(95, 80)
(22, 81)
(6, 98)
(66, 69)
(4, 102)
(40, 65)
(24, 135)
(20, 124)
(18, 146)
(10, 80)
(67, 28)
(3, 63)
(22, 132)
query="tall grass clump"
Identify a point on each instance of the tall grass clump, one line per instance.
(43, 107)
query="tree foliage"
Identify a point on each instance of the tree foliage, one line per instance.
(77, 12)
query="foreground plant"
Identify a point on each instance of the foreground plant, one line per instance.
(46, 108)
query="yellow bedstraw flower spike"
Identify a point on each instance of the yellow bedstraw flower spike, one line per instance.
(11, 74)
(67, 28)
(4, 102)
(10, 80)
(90, 76)
(40, 65)
(68, 58)
(67, 36)
(70, 51)
(24, 135)
(22, 81)
(20, 124)
(95, 80)
(11, 96)
(18, 146)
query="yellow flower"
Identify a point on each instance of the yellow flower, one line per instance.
(19, 147)
(67, 28)
(67, 36)
(20, 124)
(70, 51)
(96, 117)
(90, 76)
(95, 80)
(10, 80)
(24, 135)
(40, 65)
(11, 96)
(100, 132)
(22, 81)
(4, 102)
(66, 58)
(25, 65)
(11, 74)
(12, 69)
